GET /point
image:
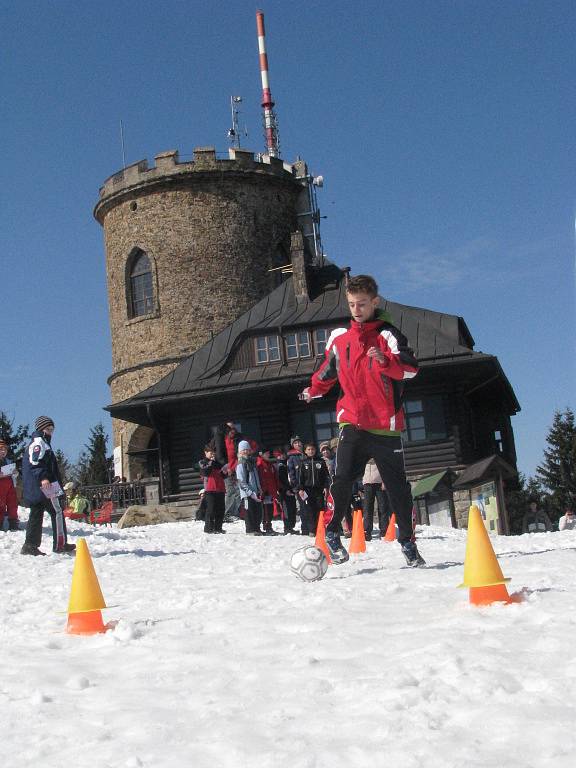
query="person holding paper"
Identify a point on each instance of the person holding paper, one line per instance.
(313, 481)
(42, 486)
(8, 499)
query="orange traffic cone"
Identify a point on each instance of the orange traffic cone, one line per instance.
(320, 540)
(482, 572)
(358, 540)
(391, 530)
(86, 599)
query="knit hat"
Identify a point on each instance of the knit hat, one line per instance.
(42, 422)
(71, 486)
(244, 445)
(295, 439)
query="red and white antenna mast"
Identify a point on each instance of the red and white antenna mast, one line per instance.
(270, 123)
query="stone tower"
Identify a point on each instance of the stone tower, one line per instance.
(188, 248)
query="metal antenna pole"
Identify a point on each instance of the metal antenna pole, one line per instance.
(270, 122)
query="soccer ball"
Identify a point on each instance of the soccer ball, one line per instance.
(309, 563)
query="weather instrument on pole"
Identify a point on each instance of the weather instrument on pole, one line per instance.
(234, 132)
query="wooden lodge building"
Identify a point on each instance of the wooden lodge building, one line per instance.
(220, 306)
(459, 443)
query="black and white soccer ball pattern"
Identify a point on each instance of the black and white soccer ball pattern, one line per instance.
(309, 563)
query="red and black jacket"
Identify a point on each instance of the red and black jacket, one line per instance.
(371, 392)
(212, 475)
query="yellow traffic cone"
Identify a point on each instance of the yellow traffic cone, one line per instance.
(86, 599)
(482, 572)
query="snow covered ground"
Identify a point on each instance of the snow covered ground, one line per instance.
(222, 659)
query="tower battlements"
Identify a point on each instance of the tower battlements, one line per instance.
(167, 168)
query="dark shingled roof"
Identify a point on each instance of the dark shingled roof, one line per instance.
(479, 471)
(437, 338)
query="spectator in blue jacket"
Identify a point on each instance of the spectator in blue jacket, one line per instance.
(250, 489)
(39, 471)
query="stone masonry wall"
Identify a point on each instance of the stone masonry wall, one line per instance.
(210, 248)
(211, 230)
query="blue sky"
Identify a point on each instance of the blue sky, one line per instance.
(444, 131)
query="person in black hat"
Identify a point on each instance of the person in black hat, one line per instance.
(295, 457)
(39, 471)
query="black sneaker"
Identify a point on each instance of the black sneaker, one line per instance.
(413, 557)
(338, 553)
(270, 532)
(65, 549)
(291, 532)
(29, 549)
(13, 525)
(368, 535)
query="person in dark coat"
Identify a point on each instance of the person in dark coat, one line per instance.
(294, 457)
(313, 481)
(39, 471)
(536, 520)
(285, 492)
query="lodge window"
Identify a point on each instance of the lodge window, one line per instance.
(140, 284)
(297, 345)
(267, 349)
(325, 425)
(321, 336)
(425, 419)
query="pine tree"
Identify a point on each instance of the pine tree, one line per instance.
(92, 467)
(15, 436)
(519, 494)
(557, 472)
(64, 466)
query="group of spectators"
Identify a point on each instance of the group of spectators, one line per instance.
(287, 483)
(290, 483)
(537, 520)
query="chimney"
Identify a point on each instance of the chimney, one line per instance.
(300, 269)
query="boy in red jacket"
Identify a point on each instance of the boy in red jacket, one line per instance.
(370, 360)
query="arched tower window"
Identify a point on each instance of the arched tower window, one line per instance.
(141, 286)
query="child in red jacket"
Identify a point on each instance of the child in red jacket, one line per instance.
(8, 499)
(213, 474)
(270, 486)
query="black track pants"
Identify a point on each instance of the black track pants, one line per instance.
(214, 511)
(34, 526)
(289, 508)
(355, 448)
